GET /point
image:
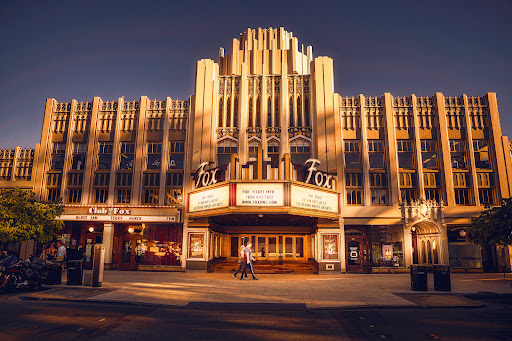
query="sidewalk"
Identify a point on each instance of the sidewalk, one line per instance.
(308, 291)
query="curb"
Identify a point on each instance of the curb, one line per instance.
(252, 306)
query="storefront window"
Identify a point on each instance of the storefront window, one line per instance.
(330, 246)
(387, 248)
(196, 245)
(160, 245)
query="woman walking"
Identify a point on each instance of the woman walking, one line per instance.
(241, 254)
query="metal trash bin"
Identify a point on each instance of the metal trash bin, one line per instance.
(442, 280)
(419, 278)
(75, 272)
(54, 275)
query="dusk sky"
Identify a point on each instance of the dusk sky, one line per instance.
(77, 50)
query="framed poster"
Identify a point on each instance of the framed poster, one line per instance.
(196, 245)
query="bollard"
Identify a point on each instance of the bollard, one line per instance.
(98, 265)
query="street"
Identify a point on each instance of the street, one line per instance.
(78, 320)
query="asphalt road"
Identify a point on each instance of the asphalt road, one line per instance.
(65, 320)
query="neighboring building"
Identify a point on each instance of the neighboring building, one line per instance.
(265, 151)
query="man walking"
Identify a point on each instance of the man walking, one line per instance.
(241, 262)
(248, 261)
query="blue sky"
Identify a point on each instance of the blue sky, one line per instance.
(72, 49)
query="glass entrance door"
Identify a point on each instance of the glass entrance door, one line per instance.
(271, 247)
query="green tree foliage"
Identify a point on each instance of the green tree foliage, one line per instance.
(493, 226)
(23, 218)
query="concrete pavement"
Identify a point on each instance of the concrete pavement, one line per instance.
(308, 291)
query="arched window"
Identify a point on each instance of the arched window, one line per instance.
(292, 119)
(269, 116)
(224, 150)
(423, 252)
(300, 151)
(306, 110)
(221, 106)
(235, 109)
(253, 147)
(299, 112)
(435, 253)
(429, 252)
(258, 112)
(228, 112)
(250, 113)
(277, 120)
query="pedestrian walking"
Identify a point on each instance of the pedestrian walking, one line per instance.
(241, 252)
(248, 259)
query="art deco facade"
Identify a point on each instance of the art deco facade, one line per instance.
(266, 151)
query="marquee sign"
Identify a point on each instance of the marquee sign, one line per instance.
(260, 194)
(209, 199)
(314, 199)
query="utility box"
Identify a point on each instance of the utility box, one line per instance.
(98, 265)
(442, 281)
(419, 278)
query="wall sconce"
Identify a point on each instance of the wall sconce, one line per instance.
(413, 229)
(260, 215)
(130, 230)
(91, 229)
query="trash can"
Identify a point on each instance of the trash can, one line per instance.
(54, 276)
(442, 280)
(75, 272)
(419, 278)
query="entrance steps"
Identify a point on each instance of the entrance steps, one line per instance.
(223, 265)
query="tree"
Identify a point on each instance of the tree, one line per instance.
(23, 218)
(493, 226)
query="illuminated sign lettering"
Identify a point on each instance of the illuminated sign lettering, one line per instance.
(316, 177)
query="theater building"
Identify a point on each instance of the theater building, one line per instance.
(266, 151)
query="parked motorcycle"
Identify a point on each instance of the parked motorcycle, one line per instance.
(17, 274)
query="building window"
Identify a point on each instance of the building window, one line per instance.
(224, 150)
(174, 196)
(354, 184)
(405, 154)
(429, 154)
(269, 116)
(101, 184)
(221, 113)
(387, 248)
(273, 152)
(258, 112)
(123, 196)
(330, 246)
(292, 117)
(432, 194)
(58, 155)
(481, 154)
(253, 148)
(408, 194)
(154, 158)
(300, 151)
(458, 154)
(176, 154)
(75, 179)
(79, 156)
(151, 187)
(378, 197)
(376, 154)
(486, 196)
(74, 195)
(123, 187)
(354, 196)
(53, 194)
(378, 179)
(484, 179)
(101, 196)
(174, 179)
(352, 154)
(462, 197)
(105, 155)
(431, 179)
(54, 180)
(127, 155)
(460, 179)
